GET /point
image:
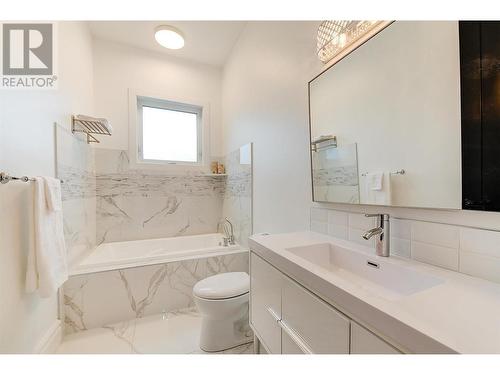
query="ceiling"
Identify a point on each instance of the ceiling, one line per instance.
(207, 42)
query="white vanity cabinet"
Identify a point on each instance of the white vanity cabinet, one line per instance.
(313, 325)
(265, 305)
(365, 342)
(289, 319)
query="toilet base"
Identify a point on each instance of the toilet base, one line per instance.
(225, 324)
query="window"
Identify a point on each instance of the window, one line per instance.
(169, 132)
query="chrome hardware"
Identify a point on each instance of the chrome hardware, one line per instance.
(401, 171)
(323, 142)
(295, 337)
(5, 178)
(227, 228)
(89, 126)
(382, 231)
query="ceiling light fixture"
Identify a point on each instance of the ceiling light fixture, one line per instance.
(335, 36)
(169, 37)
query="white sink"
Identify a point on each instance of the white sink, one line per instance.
(371, 273)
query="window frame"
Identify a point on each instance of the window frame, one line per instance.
(143, 101)
(135, 127)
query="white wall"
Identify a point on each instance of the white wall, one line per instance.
(27, 148)
(265, 102)
(118, 68)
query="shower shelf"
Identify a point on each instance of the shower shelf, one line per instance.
(90, 126)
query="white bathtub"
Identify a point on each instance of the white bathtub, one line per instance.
(127, 254)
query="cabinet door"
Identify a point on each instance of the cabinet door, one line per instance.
(289, 345)
(265, 303)
(365, 342)
(316, 326)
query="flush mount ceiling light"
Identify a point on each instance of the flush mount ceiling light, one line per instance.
(169, 37)
(335, 36)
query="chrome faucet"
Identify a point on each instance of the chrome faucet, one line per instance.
(227, 227)
(382, 231)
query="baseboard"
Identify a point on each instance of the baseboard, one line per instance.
(51, 340)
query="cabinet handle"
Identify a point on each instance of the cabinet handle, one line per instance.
(273, 314)
(295, 337)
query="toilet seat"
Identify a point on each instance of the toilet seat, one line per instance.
(223, 286)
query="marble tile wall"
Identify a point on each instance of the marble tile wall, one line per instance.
(99, 299)
(237, 202)
(141, 204)
(75, 165)
(106, 201)
(472, 251)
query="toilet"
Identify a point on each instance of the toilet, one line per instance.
(223, 303)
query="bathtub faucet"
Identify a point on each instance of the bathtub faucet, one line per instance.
(227, 227)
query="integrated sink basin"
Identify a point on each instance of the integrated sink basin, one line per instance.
(375, 274)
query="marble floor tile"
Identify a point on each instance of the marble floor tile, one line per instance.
(170, 333)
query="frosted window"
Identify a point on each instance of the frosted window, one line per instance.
(169, 135)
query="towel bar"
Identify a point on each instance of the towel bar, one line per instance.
(401, 171)
(4, 178)
(90, 125)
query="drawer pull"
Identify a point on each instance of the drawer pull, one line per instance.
(273, 314)
(295, 337)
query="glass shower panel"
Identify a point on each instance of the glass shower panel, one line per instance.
(335, 174)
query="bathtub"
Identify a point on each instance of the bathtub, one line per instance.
(120, 281)
(128, 254)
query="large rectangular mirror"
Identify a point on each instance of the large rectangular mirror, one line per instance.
(385, 120)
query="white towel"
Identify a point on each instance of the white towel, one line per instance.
(53, 193)
(47, 266)
(374, 180)
(378, 189)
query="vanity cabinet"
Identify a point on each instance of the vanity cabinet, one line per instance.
(289, 319)
(312, 324)
(265, 306)
(365, 342)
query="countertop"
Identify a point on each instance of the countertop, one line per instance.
(460, 315)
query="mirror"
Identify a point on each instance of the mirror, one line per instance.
(385, 120)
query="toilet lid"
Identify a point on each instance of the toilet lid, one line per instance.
(223, 285)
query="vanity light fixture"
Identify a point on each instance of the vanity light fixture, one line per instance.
(169, 37)
(335, 36)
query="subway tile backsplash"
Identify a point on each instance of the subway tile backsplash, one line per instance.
(361, 222)
(339, 231)
(338, 218)
(401, 247)
(436, 255)
(475, 252)
(480, 241)
(435, 234)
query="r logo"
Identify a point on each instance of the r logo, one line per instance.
(27, 49)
